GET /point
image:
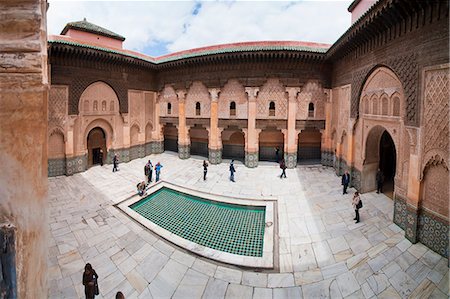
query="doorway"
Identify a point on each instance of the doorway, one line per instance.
(96, 145)
(387, 164)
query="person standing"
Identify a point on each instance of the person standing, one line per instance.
(345, 181)
(100, 157)
(205, 169)
(119, 295)
(380, 179)
(150, 171)
(115, 163)
(283, 167)
(232, 171)
(158, 167)
(90, 282)
(146, 171)
(356, 202)
(277, 153)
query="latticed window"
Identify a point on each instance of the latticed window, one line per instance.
(197, 108)
(232, 109)
(104, 106)
(311, 110)
(169, 108)
(271, 109)
(95, 106)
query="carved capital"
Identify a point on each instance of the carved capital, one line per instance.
(252, 93)
(181, 95)
(214, 93)
(292, 93)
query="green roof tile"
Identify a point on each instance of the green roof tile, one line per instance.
(92, 28)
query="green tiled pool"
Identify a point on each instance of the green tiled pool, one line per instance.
(220, 226)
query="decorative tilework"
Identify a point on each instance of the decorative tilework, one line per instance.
(137, 151)
(251, 159)
(400, 212)
(184, 151)
(433, 233)
(56, 167)
(290, 159)
(76, 164)
(411, 223)
(215, 156)
(327, 158)
(225, 227)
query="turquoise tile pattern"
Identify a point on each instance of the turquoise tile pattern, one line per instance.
(220, 226)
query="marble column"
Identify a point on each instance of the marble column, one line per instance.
(214, 142)
(251, 134)
(184, 141)
(291, 139)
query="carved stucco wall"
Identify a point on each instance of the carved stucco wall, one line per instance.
(198, 93)
(312, 92)
(168, 95)
(233, 91)
(435, 140)
(274, 91)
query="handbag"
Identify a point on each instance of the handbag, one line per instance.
(96, 291)
(359, 205)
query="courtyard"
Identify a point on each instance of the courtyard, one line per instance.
(319, 251)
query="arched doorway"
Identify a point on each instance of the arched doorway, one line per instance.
(170, 138)
(199, 141)
(309, 146)
(233, 144)
(96, 145)
(380, 154)
(269, 141)
(387, 163)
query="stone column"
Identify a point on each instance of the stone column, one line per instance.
(184, 141)
(157, 142)
(23, 149)
(251, 134)
(214, 143)
(291, 144)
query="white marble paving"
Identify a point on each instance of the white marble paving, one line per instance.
(321, 253)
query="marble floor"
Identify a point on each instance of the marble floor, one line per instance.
(321, 252)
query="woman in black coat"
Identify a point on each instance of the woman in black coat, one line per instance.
(90, 282)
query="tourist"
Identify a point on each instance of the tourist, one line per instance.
(141, 188)
(232, 171)
(150, 171)
(283, 167)
(205, 169)
(345, 181)
(357, 204)
(380, 179)
(277, 153)
(158, 167)
(115, 163)
(119, 295)
(100, 157)
(90, 282)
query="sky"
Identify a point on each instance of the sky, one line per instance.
(156, 28)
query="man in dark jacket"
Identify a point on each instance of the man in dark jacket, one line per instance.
(345, 181)
(380, 179)
(232, 171)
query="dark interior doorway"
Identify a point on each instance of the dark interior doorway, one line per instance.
(387, 164)
(170, 138)
(96, 144)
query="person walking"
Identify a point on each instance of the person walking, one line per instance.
(205, 169)
(380, 179)
(115, 163)
(158, 167)
(90, 282)
(357, 204)
(345, 181)
(283, 167)
(232, 171)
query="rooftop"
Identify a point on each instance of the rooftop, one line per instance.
(91, 28)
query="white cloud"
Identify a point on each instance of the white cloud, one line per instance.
(147, 24)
